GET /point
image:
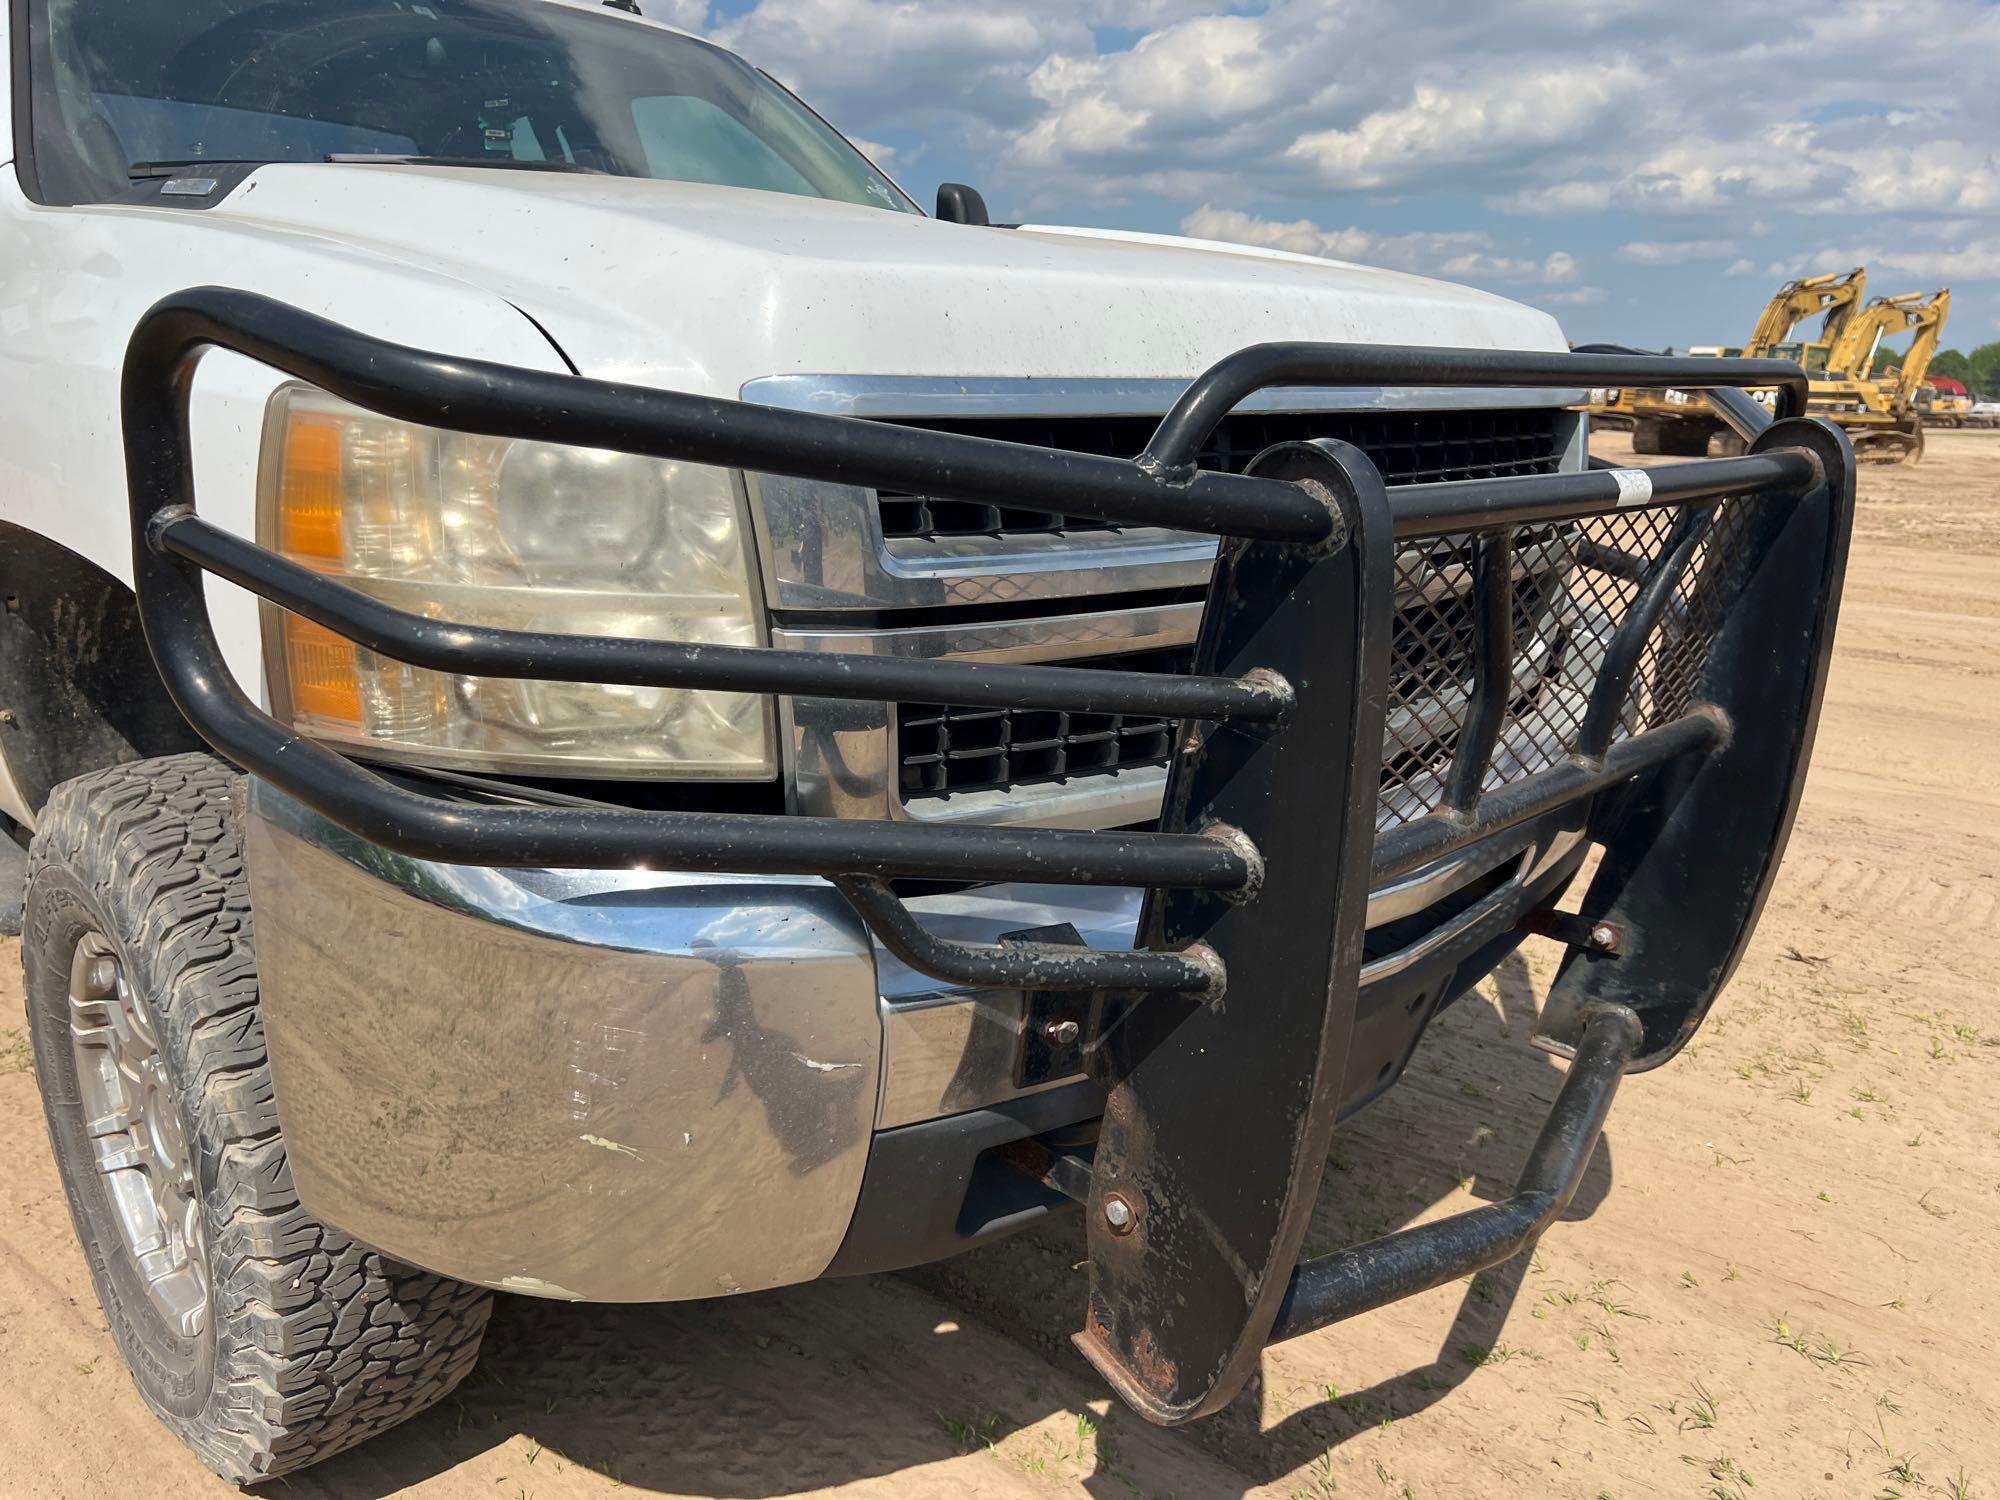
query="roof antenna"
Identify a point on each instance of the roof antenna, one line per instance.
(630, 6)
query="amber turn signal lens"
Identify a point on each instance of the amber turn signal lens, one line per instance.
(323, 673)
(310, 491)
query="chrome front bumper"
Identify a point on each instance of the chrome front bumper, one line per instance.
(641, 1086)
(587, 1085)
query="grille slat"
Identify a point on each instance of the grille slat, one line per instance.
(1412, 447)
(944, 750)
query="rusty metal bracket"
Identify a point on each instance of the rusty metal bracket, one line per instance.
(1566, 927)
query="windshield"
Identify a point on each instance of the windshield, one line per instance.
(483, 82)
(1812, 357)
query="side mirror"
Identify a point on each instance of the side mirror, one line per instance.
(959, 204)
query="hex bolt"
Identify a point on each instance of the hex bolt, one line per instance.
(1061, 1033)
(1119, 1214)
(1605, 938)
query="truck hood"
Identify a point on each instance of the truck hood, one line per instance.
(690, 287)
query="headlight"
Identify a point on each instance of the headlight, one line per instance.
(531, 536)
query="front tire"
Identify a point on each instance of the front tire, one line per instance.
(265, 1340)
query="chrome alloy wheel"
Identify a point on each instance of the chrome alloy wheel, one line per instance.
(136, 1136)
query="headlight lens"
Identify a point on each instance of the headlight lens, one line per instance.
(531, 536)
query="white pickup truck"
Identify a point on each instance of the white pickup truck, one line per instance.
(609, 710)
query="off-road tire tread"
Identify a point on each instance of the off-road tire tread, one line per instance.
(320, 1342)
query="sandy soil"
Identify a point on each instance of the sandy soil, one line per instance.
(1777, 1280)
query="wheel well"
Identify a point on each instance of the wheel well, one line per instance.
(78, 689)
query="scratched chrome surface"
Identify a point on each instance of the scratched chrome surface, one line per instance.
(612, 1088)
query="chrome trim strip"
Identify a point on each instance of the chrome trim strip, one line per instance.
(1413, 893)
(1030, 396)
(975, 556)
(1103, 799)
(843, 754)
(1534, 863)
(949, 1054)
(822, 549)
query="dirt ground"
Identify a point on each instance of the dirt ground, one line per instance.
(1778, 1279)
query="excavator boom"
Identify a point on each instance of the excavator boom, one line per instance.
(1852, 355)
(1836, 294)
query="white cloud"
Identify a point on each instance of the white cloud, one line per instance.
(689, 15)
(1791, 165)
(1936, 265)
(1581, 296)
(1674, 252)
(1443, 128)
(1742, 267)
(1186, 84)
(883, 156)
(1555, 200)
(867, 61)
(1465, 255)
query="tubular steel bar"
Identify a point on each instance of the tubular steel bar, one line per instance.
(1032, 966)
(1484, 504)
(1206, 402)
(1348, 1282)
(1628, 642)
(447, 647)
(1487, 713)
(1740, 411)
(470, 395)
(1619, 564)
(1414, 845)
(424, 827)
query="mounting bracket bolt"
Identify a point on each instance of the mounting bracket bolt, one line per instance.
(1119, 1215)
(1061, 1033)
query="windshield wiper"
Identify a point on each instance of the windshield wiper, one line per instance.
(500, 163)
(139, 171)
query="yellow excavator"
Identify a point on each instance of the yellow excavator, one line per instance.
(1881, 415)
(1837, 295)
(1679, 422)
(1943, 402)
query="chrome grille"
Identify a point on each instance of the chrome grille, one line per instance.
(1572, 586)
(1410, 447)
(944, 749)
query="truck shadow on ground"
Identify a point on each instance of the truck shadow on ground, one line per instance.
(822, 1385)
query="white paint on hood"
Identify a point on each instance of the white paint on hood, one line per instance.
(702, 288)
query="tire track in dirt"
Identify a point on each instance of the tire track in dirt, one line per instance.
(1844, 886)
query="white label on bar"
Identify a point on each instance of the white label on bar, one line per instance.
(1635, 486)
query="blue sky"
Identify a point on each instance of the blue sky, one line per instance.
(1649, 170)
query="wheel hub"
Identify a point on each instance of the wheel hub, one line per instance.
(136, 1138)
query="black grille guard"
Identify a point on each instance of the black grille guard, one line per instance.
(1236, 1013)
